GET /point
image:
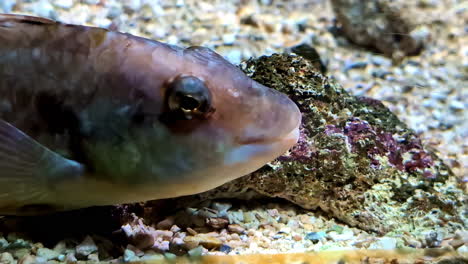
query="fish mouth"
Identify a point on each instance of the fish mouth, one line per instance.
(257, 152)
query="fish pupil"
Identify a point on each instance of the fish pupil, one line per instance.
(189, 103)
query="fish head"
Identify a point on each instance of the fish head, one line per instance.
(235, 125)
(211, 123)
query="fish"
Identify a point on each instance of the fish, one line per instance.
(94, 117)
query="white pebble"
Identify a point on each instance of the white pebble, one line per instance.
(65, 4)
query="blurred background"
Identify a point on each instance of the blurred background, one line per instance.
(420, 72)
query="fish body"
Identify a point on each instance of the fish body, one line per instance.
(94, 117)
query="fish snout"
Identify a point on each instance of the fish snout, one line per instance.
(276, 121)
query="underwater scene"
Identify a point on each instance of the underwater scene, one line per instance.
(235, 131)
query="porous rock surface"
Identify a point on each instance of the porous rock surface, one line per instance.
(354, 160)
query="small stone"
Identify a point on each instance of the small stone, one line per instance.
(27, 259)
(6, 258)
(235, 228)
(86, 247)
(170, 256)
(152, 255)
(217, 222)
(345, 235)
(229, 39)
(3, 243)
(315, 236)
(44, 9)
(65, 4)
(457, 105)
(225, 249)
(297, 237)
(47, 254)
(71, 257)
(463, 249)
(93, 257)
(386, 243)
(19, 253)
(222, 208)
(456, 243)
(191, 231)
(165, 224)
(7, 5)
(60, 247)
(129, 256)
(209, 242)
(196, 252)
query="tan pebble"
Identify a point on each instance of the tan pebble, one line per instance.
(190, 242)
(143, 240)
(297, 237)
(6, 258)
(235, 237)
(166, 223)
(27, 259)
(206, 240)
(175, 229)
(191, 231)
(93, 257)
(456, 243)
(305, 219)
(217, 222)
(19, 253)
(235, 228)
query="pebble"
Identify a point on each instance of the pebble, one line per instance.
(45, 9)
(196, 252)
(316, 236)
(6, 258)
(86, 247)
(47, 254)
(130, 256)
(386, 243)
(457, 105)
(7, 5)
(27, 259)
(463, 249)
(19, 253)
(65, 4)
(150, 255)
(235, 228)
(345, 235)
(3, 243)
(206, 240)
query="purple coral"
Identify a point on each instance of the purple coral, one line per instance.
(361, 135)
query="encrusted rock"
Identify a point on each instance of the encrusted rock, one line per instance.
(355, 160)
(387, 26)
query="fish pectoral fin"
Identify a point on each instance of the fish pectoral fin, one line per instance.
(28, 170)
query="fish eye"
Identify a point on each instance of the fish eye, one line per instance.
(188, 96)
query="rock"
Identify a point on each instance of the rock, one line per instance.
(7, 5)
(386, 243)
(6, 258)
(150, 255)
(379, 24)
(130, 256)
(27, 259)
(316, 236)
(355, 159)
(65, 4)
(206, 240)
(47, 254)
(86, 247)
(310, 53)
(21, 252)
(235, 228)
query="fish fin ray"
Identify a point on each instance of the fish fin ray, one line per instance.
(28, 170)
